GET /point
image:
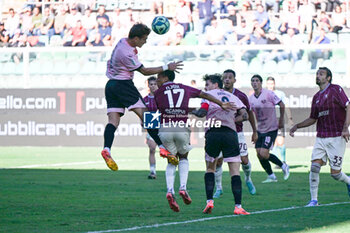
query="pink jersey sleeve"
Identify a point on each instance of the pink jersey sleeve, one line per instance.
(131, 62)
(274, 98)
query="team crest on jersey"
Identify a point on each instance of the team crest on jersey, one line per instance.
(263, 101)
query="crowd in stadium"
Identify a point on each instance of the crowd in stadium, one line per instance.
(205, 22)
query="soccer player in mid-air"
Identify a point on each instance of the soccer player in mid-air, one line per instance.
(172, 101)
(152, 107)
(330, 109)
(279, 142)
(263, 102)
(121, 92)
(222, 139)
(229, 78)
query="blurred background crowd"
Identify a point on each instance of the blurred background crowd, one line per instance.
(203, 22)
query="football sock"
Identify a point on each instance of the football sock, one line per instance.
(170, 177)
(236, 186)
(218, 178)
(109, 135)
(247, 170)
(183, 173)
(154, 134)
(341, 176)
(266, 165)
(314, 179)
(152, 168)
(273, 158)
(283, 152)
(209, 181)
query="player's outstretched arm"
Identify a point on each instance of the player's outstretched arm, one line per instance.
(242, 115)
(345, 133)
(309, 121)
(174, 66)
(200, 112)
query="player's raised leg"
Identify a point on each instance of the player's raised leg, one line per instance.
(111, 127)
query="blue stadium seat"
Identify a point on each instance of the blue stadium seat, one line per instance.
(284, 67)
(59, 68)
(34, 67)
(19, 69)
(270, 67)
(255, 66)
(333, 37)
(73, 67)
(243, 66)
(88, 68)
(47, 67)
(301, 67)
(124, 4)
(330, 63)
(341, 66)
(100, 68)
(344, 38)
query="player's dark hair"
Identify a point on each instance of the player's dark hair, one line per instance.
(329, 72)
(231, 71)
(168, 73)
(257, 76)
(139, 30)
(214, 78)
(270, 78)
(150, 79)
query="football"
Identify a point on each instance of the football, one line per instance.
(160, 25)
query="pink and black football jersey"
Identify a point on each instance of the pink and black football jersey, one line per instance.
(172, 101)
(264, 108)
(244, 98)
(150, 103)
(328, 107)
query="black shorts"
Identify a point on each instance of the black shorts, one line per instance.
(266, 140)
(121, 94)
(222, 139)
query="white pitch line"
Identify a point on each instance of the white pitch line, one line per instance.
(212, 218)
(58, 164)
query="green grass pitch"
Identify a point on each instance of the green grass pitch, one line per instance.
(70, 189)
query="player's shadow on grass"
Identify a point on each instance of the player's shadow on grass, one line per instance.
(297, 166)
(59, 200)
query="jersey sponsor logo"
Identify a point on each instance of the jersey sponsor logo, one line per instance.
(151, 120)
(323, 113)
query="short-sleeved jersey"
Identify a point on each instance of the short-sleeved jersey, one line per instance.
(244, 98)
(264, 108)
(123, 62)
(227, 117)
(329, 108)
(172, 101)
(150, 103)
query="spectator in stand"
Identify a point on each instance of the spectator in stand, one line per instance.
(116, 18)
(306, 11)
(176, 30)
(324, 22)
(293, 42)
(4, 37)
(157, 7)
(233, 15)
(60, 21)
(26, 21)
(275, 54)
(78, 34)
(214, 33)
(258, 38)
(18, 40)
(225, 4)
(273, 5)
(243, 33)
(101, 14)
(12, 22)
(183, 15)
(72, 18)
(36, 21)
(46, 27)
(104, 35)
(338, 19)
(205, 14)
(332, 4)
(291, 20)
(262, 17)
(128, 19)
(319, 53)
(89, 22)
(247, 13)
